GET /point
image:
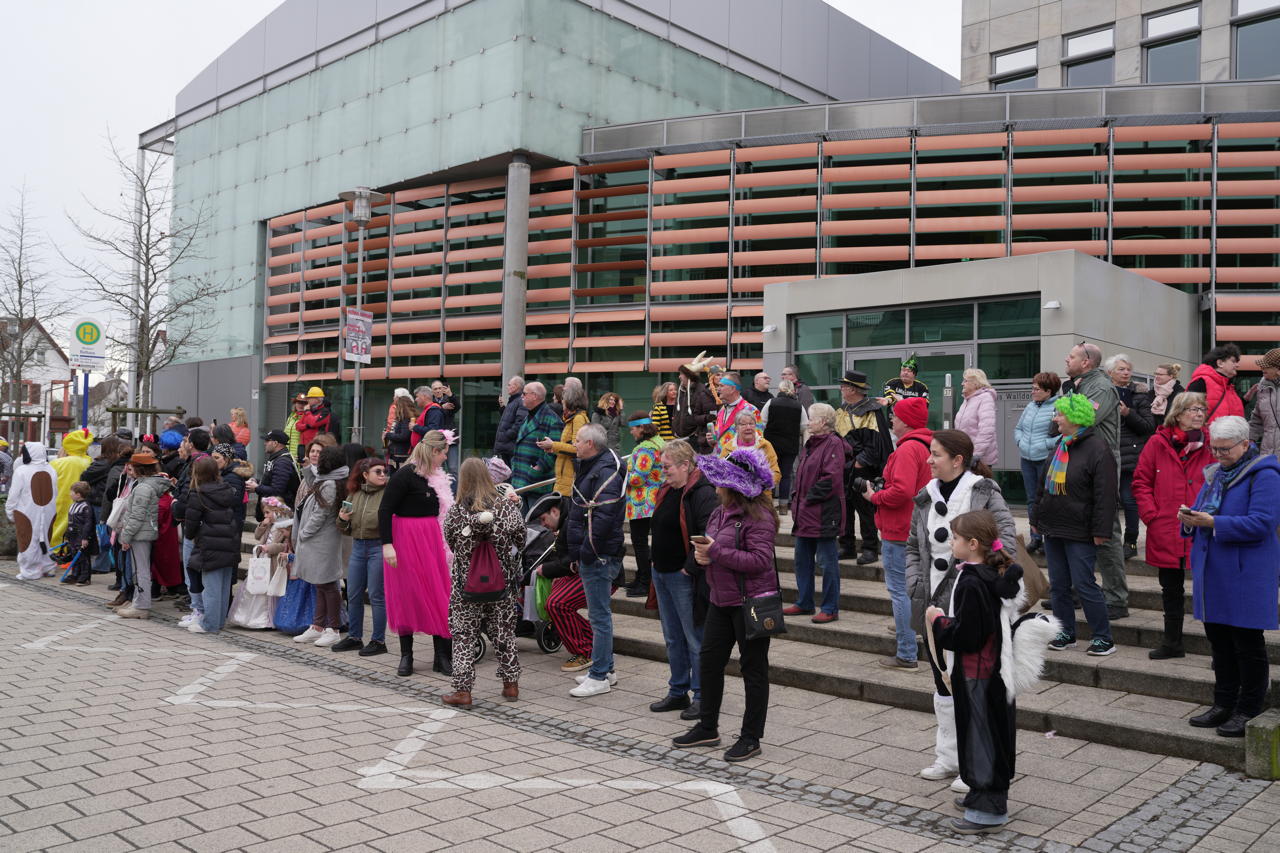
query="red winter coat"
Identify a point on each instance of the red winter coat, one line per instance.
(1220, 394)
(312, 423)
(905, 474)
(1162, 482)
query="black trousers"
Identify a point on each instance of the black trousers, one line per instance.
(1241, 674)
(640, 542)
(1172, 597)
(722, 630)
(862, 511)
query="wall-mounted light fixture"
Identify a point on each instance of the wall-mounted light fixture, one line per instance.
(1051, 305)
(769, 329)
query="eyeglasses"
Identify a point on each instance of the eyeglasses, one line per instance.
(1201, 409)
(381, 472)
(1223, 451)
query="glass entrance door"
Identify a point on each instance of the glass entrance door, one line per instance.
(941, 369)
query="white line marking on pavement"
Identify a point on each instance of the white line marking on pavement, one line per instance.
(64, 613)
(393, 772)
(183, 695)
(44, 642)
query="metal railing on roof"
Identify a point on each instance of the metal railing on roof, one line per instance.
(1033, 109)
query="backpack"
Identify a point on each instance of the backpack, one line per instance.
(485, 578)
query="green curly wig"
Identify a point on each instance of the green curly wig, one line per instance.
(1077, 408)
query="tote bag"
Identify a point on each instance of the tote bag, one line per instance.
(296, 608)
(258, 577)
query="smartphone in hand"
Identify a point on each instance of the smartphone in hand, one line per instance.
(700, 540)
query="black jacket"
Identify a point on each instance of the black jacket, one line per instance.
(398, 438)
(212, 523)
(280, 477)
(504, 444)
(172, 463)
(597, 491)
(80, 528)
(183, 489)
(783, 428)
(757, 398)
(557, 563)
(695, 408)
(698, 501)
(235, 475)
(1088, 508)
(96, 476)
(1135, 427)
(111, 486)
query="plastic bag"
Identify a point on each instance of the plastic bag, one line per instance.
(258, 577)
(296, 608)
(279, 582)
(543, 592)
(250, 610)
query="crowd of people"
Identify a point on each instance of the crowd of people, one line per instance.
(484, 548)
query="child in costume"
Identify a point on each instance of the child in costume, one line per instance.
(31, 507)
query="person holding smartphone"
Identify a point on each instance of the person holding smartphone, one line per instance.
(358, 518)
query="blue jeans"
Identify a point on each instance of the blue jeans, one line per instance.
(1071, 564)
(197, 598)
(102, 563)
(598, 578)
(827, 552)
(365, 572)
(894, 557)
(217, 598)
(1032, 475)
(683, 637)
(787, 464)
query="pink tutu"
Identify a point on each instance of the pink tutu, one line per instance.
(417, 588)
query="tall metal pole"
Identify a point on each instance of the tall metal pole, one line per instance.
(357, 426)
(84, 402)
(131, 374)
(515, 263)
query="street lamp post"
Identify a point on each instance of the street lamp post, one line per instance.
(362, 200)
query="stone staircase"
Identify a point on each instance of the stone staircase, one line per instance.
(1124, 700)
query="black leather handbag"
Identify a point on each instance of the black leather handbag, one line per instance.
(761, 614)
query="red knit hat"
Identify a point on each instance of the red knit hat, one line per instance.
(912, 411)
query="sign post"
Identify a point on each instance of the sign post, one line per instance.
(357, 346)
(87, 353)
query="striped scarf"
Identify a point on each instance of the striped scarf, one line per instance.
(1055, 478)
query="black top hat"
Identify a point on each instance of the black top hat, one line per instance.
(856, 378)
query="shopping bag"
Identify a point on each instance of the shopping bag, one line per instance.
(279, 582)
(543, 592)
(296, 608)
(258, 577)
(104, 535)
(249, 610)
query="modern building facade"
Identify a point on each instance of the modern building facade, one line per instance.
(647, 238)
(434, 101)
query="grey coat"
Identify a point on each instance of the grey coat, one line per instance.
(142, 521)
(317, 540)
(612, 427)
(1264, 423)
(986, 495)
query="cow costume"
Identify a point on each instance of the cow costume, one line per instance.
(31, 507)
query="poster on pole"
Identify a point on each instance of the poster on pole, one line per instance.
(88, 350)
(357, 336)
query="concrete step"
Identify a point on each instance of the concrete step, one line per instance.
(1094, 714)
(1188, 679)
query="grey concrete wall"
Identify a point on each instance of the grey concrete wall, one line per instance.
(994, 26)
(1099, 304)
(210, 388)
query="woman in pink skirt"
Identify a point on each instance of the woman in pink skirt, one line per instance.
(416, 571)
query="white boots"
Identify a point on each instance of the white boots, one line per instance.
(947, 760)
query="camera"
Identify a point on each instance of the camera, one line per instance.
(860, 484)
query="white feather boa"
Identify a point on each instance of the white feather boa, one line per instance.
(1024, 641)
(441, 482)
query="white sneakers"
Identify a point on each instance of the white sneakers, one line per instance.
(591, 687)
(937, 773)
(309, 636)
(193, 616)
(195, 627)
(958, 785)
(328, 637)
(613, 678)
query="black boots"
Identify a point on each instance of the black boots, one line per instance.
(406, 656)
(1171, 647)
(443, 662)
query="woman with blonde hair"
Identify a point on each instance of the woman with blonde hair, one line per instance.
(416, 570)
(399, 436)
(575, 418)
(485, 529)
(1164, 388)
(608, 414)
(976, 416)
(664, 403)
(240, 426)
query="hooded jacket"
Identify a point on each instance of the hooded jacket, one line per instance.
(1163, 481)
(69, 468)
(211, 522)
(695, 408)
(366, 502)
(1220, 395)
(612, 425)
(1264, 423)
(1035, 433)
(235, 475)
(905, 474)
(596, 508)
(313, 422)
(1088, 508)
(976, 418)
(566, 454)
(818, 494)
(1135, 427)
(280, 477)
(30, 507)
(513, 414)
(142, 520)
(96, 476)
(742, 549)
(317, 541)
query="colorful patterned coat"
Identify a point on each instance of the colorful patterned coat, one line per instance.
(727, 429)
(644, 478)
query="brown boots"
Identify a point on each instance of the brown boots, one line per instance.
(510, 691)
(460, 699)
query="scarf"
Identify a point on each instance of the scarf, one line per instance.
(1184, 443)
(1055, 478)
(1160, 403)
(1217, 482)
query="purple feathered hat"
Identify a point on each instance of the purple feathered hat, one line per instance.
(745, 471)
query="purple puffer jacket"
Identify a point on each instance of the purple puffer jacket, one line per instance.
(750, 559)
(817, 497)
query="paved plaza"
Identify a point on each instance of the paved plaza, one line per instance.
(122, 735)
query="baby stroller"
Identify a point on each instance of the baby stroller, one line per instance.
(539, 543)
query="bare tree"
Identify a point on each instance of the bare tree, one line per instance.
(146, 267)
(27, 295)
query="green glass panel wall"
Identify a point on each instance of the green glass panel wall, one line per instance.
(1010, 318)
(942, 323)
(823, 332)
(876, 328)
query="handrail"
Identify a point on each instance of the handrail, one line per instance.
(539, 485)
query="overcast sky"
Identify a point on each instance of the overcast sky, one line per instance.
(79, 70)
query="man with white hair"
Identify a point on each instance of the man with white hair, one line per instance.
(596, 511)
(530, 463)
(513, 414)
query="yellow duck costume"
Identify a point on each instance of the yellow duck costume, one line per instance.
(69, 468)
